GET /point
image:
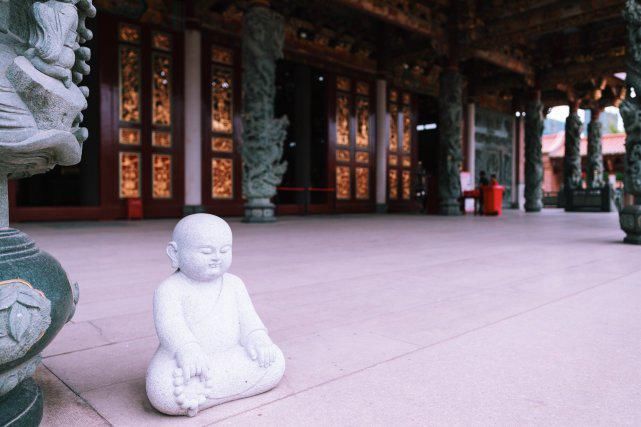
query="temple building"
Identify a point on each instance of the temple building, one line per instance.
(613, 151)
(328, 107)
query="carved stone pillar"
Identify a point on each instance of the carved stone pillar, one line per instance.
(630, 109)
(450, 156)
(594, 167)
(263, 135)
(534, 154)
(572, 159)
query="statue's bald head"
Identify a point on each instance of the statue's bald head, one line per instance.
(202, 228)
(201, 247)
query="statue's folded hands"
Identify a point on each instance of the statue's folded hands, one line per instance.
(261, 348)
(192, 360)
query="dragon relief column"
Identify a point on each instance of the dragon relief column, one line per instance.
(263, 135)
(630, 109)
(450, 156)
(534, 118)
(594, 168)
(572, 158)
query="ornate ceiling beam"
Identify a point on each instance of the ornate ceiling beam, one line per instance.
(503, 60)
(547, 20)
(386, 11)
(497, 84)
(516, 7)
(583, 72)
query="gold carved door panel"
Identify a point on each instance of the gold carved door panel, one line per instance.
(400, 147)
(353, 140)
(146, 146)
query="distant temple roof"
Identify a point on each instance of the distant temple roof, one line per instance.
(612, 144)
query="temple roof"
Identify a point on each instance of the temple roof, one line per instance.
(611, 144)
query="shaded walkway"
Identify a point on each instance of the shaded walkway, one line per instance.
(383, 319)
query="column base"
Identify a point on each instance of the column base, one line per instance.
(450, 208)
(534, 207)
(630, 222)
(381, 208)
(259, 211)
(22, 406)
(193, 209)
(590, 200)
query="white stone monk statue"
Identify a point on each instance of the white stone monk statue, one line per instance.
(213, 346)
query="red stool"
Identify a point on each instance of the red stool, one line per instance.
(134, 209)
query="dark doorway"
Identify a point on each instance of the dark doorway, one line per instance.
(427, 131)
(301, 95)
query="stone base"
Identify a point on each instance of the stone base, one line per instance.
(630, 222)
(534, 207)
(22, 406)
(193, 209)
(381, 208)
(450, 208)
(561, 199)
(259, 211)
(590, 200)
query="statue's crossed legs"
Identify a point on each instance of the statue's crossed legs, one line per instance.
(233, 376)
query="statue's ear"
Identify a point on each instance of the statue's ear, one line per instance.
(172, 253)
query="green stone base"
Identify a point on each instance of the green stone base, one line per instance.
(22, 406)
(533, 208)
(193, 209)
(630, 221)
(633, 240)
(381, 208)
(450, 208)
(259, 211)
(589, 200)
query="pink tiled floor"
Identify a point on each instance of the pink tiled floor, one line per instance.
(384, 320)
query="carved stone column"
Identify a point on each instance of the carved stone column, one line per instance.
(534, 154)
(450, 155)
(630, 109)
(263, 135)
(594, 167)
(572, 159)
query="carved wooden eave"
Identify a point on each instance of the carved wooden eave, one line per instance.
(417, 20)
(546, 19)
(495, 102)
(502, 60)
(577, 72)
(339, 54)
(516, 7)
(417, 80)
(499, 83)
(228, 22)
